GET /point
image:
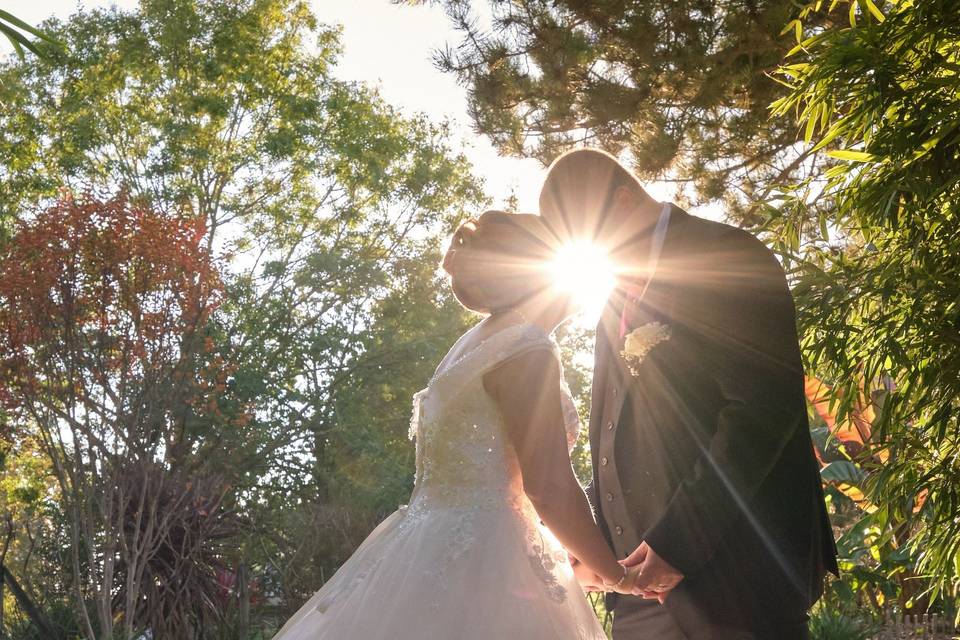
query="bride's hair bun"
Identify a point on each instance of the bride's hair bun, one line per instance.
(497, 260)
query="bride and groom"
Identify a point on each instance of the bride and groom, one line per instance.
(705, 516)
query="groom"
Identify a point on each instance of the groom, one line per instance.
(704, 471)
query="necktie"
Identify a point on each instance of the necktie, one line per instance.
(632, 296)
(636, 288)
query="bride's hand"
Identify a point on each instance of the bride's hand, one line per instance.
(588, 580)
(628, 584)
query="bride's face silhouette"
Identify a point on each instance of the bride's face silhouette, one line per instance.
(499, 260)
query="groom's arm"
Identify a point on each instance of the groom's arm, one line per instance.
(746, 322)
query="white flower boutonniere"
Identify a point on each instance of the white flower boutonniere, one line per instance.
(640, 341)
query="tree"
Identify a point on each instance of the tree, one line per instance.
(28, 493)
(103, 309)
(878, 281)
(330, 206)
(681, 85)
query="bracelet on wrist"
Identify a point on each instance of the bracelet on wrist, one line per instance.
(618, 583)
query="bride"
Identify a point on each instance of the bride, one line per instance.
(481, 551)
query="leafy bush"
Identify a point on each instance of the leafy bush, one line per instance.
(830, 624)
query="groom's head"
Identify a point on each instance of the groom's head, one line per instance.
(588, 194)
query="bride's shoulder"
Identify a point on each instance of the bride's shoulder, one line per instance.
(525, 372)
(523, 349)
(500, 339)
(521, 338)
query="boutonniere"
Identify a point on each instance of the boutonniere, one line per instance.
(639, 342)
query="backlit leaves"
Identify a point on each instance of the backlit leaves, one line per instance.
(878, 296)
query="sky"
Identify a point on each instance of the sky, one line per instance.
(390, 46)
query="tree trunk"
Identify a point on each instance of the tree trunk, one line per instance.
(33, 612)
(244, 595)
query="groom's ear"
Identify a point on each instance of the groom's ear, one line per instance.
(630, 198)
(624, 197)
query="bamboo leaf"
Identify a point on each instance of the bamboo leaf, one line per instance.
(812, 119)
(17, 22)
(854, 156)
(830, 136)
(788, 27)
(874, 10)
(16, 39)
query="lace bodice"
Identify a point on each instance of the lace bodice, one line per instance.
(463, 457)
(467, 515)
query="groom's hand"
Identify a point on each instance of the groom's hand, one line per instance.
(657, 577)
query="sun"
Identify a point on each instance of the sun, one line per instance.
(583, 271)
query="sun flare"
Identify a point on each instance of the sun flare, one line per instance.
(583, 270)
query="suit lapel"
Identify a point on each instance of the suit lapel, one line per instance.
(608, 401)
(611, 376)
(599, 384)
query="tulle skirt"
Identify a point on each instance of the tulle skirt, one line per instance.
(451, 572)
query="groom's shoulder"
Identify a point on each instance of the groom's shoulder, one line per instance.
(724, 238)
(724, 251)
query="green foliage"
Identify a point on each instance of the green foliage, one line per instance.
(875, 567)
(681, 85)
(30, 543)
(328, 206)
(11, 26)
(829, 624)
(878, 280)
(853, 176)
(576, 345)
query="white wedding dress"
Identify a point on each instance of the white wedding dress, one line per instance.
(467, 559)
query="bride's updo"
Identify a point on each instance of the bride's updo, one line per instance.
(499, 260)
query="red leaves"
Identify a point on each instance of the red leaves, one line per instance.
(854, 433)
(95, 291)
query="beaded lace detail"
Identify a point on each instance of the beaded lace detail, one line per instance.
(465, 466)
(463, 459)
(460, 438)
(467, 513)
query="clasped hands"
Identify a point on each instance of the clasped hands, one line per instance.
(648, 575)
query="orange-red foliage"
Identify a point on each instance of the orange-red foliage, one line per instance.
(99, 295)
(854, 431)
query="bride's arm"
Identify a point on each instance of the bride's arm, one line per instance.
(527, 390)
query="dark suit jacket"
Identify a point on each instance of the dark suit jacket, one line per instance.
(705, 452)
